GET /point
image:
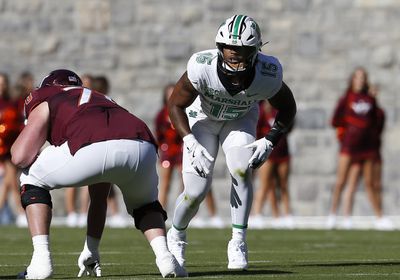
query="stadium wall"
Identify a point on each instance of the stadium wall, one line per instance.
(143, 44)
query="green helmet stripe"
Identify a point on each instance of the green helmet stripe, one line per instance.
(237, 24)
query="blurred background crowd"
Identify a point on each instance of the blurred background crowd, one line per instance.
(339, 57)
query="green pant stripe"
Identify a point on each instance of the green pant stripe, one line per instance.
(179, 228)
(239, 226)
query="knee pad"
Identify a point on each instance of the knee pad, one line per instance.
(140, 212)
(31, 194)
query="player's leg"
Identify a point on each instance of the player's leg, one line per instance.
(36, 201)
(241, 200)
(38, 205)
(234, 136)
(55, 167)
(195, 189)
(89, 259)
(138, 185)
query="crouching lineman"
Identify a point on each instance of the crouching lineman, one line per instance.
(93, 140)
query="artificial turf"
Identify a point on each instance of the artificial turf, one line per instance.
(273, 254)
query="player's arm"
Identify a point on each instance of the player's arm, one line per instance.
(284, 102)
(32, 137)
(183, 95)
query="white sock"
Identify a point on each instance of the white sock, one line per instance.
(179, 233)
(239, 234)
(41, 244)
(91, 244)
(159, 246)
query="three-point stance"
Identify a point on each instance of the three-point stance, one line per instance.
(93, 140)
(216, 102)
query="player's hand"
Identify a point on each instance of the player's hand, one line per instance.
(262, 149)
(90, 263)
(198, 155)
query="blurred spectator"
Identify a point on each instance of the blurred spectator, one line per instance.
(87, 80)
(116, 219)
(170, 150)
(10, 126)
(355, 172)
(273, 176)
(75, 217)
(23, 86)
(355, 119)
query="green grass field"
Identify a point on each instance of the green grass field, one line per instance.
(273, 254)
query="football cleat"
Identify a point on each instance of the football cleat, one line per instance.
(40, 267)
(237, 255)
(170, 268)
(177, 247)
(36, 271)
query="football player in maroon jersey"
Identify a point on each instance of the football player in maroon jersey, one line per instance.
(92, 140)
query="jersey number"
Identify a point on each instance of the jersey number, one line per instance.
(227, 112)
(86, 95)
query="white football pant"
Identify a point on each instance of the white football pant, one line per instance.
(130, 164)
(233, 136)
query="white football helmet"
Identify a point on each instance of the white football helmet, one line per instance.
(239, 31)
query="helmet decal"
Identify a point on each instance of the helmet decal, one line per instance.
(237, 26)
(61, 77)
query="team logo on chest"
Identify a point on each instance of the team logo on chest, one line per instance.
(361, 107)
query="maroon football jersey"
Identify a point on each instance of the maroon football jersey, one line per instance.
(82, 116)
